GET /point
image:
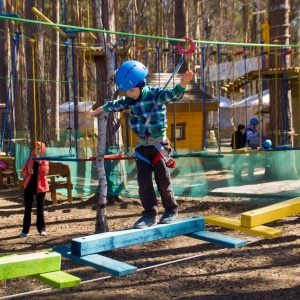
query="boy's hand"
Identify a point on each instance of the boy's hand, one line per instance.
(186, 78)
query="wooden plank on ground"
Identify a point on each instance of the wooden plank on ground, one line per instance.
(29, 264)
(270, 213)
(99, 262)
(58, 279)
(118, 239)
(234, 224)
(220, 239)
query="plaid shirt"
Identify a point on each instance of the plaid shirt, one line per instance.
(142, 108)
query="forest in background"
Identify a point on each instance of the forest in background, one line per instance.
(48, 60)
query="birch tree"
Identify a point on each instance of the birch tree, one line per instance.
(103, 18)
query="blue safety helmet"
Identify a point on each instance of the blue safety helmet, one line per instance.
(130, 74)
(267, 143)
(254, 121)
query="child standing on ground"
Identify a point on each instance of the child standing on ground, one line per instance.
(148, 121)
(35, 187)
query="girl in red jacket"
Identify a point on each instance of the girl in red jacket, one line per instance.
(35, 186)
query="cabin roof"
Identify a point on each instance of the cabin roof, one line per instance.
(194, 94)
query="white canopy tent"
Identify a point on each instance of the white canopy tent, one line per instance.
(66, 116)
(253, 101)
(247, 108)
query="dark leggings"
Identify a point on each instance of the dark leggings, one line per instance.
(29, 196)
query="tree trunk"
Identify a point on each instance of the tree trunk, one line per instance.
(281, 117)
(55, 71)
(180, 27)
(105, 69)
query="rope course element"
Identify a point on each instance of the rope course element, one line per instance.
(11, 94)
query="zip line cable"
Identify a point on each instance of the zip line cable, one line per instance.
(88, 29)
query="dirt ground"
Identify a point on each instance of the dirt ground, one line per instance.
(176, 268)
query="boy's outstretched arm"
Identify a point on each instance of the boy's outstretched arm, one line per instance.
(95, 112)
(186, 78)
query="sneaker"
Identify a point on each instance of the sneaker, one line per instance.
(24, 234)
(168, 217)
(144, 222)
(43, 233)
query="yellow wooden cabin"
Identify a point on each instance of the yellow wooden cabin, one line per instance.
(187, 114)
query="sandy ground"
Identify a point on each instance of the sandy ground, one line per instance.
(176, 268)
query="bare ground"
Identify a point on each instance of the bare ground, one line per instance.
(176, 268)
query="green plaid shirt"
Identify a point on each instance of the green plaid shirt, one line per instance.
(141, 109)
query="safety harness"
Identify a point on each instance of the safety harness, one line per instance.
(144, 139)
(162, 153)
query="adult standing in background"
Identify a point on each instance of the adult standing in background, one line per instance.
(238, 141)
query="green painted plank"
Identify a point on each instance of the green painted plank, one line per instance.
(99, 262)
(118, 239)
(29, 264)
(58, 279)
(220, 239)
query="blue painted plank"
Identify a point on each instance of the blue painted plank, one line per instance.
(118, 239)
(220, 239)
(99, 262)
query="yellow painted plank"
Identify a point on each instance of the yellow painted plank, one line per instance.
(270, 213)
(234, 224)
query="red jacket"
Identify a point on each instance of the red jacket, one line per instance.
(42, 182)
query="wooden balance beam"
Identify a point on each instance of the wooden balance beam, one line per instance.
(14, 266)
(99, 262)
(118, 239)
(234, 224)
(270, 213)
(44, 266)
(219, 239)
(84, 249)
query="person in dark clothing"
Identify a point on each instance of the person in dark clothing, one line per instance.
(35, 187)
(238, 141)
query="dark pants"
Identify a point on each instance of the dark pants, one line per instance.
(29, 196)
(162, 178)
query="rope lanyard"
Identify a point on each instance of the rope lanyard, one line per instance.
(286, 98)
(126, 111)
(11, 94)
(173, 104)
(15, 81)
(179, 64)
(76, 126)
(32, 41)
(245, 91)
(204, 97)
(68, 95)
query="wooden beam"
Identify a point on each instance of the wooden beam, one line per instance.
(99, 262)
(234, 224)
(270, 213)
(118, 239)
(220, 239)
(15, 266)
(58, 279)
